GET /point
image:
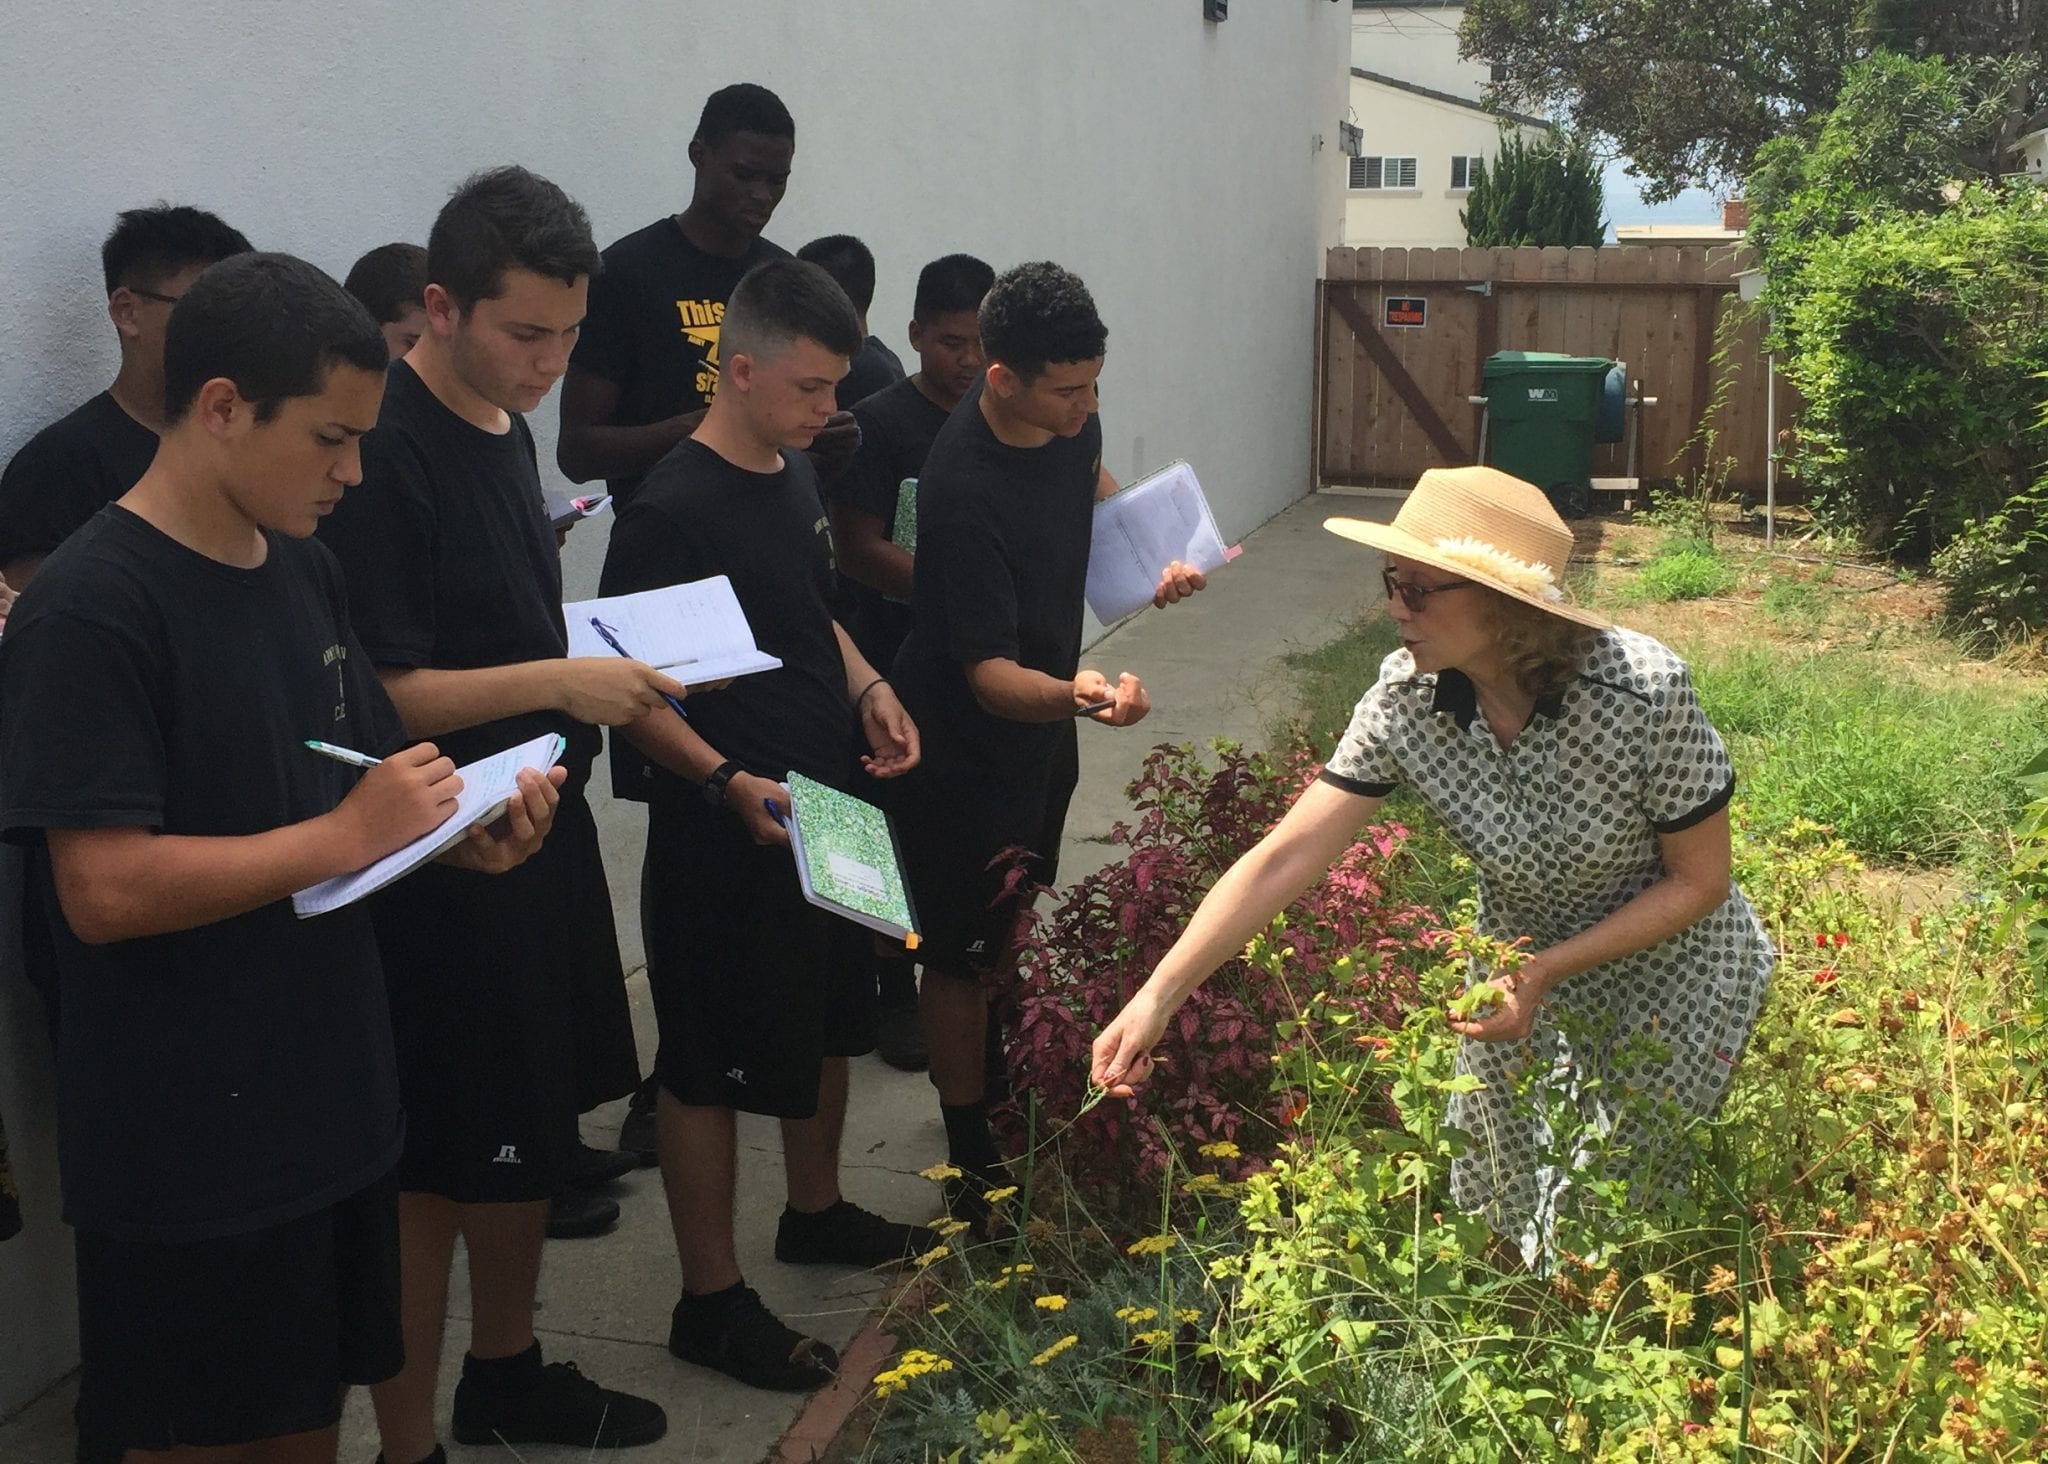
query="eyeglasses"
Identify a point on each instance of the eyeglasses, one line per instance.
(1416, 597)
(153, 295)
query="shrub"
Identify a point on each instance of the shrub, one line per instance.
(1214, 1084)
(1544, 193)
(1851, 1273)
(1912, 325)
(1994, 573)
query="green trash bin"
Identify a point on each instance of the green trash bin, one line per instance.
(1540, 413)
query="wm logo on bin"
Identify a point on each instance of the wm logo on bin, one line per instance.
(1542, 393)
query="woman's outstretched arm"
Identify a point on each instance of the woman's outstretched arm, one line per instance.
(1320, 827)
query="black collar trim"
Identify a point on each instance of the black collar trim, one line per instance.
(1458, 699)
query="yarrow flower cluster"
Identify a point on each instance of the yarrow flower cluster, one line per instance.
(1497, 564)
(915, 1363)
(1055, 1350)
(1151, 1245)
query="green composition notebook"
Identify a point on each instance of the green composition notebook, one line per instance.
(903, 533)
(846, 858)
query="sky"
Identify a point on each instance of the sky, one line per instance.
(1625, 205)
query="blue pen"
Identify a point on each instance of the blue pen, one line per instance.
(612, 640)
(774, 812)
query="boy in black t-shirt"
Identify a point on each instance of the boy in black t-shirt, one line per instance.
(229, 1113)
(391, 281)
(760, 996)
(991, 668)
(508, 1003)
(897, 428)
(852, 267)
(68, 471)
(650, 354)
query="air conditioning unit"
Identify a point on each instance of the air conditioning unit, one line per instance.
(1350, 139)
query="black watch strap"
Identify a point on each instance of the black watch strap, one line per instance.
(713, 786)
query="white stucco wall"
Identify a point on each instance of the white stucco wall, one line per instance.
(1182, 168)
(1418, 45)
(1399, 123)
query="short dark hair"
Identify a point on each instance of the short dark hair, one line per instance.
(743, 107)
(955, 282)
(389, 280)
(776, 303)
(149, 245)
(1038, 314)
(508, 218)
(850, 263)
(273, 325)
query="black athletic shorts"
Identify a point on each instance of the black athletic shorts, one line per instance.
(966, 923)
(243, 1337)
(508, 1013)
(753, 986)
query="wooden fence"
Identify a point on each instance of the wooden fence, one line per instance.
(1391, 397)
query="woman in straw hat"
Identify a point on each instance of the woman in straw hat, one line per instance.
(1572, 761)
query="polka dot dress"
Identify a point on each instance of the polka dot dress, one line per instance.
(1563, 825)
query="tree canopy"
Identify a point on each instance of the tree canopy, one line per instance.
(1688, 90)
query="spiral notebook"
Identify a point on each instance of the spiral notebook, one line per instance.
(696, 631)
(488, 785)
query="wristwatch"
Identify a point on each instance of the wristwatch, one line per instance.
(713, 786)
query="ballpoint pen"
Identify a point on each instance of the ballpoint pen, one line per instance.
(611, 639)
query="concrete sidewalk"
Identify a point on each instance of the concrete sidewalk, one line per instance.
(1211, 666)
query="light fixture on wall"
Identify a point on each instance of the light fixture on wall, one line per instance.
(1350, 139)
(1215, 9)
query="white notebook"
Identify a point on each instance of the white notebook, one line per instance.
(1142, 528)
(488, 785)
(696, 632)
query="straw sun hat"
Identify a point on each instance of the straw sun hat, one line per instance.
(1483, 525)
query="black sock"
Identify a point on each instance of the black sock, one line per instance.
(896, 980)
(969, 1142)
(512, 1374)
(804, 1216)
(645, 1095)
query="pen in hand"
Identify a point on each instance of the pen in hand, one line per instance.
(343, 754)
(611, 639)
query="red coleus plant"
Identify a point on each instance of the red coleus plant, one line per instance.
(1214, 1082)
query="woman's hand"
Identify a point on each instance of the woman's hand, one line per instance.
(1123, 1050)
(1502, 1008)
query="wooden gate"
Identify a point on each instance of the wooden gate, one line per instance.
(1391, 398)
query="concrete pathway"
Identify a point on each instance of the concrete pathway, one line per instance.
(1212, 668)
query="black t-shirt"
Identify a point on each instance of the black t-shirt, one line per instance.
(450, 560)
(698, 515)
(237, 1075)
(872, 370)
(653, 321)
(898, 425)
(68, 472)
(1002, 560)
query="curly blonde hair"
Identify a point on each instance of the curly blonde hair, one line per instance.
(1543, 652)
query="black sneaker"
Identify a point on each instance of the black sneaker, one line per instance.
(563, 1407)
(594, 1168)
(847, 1235)
(899, 1038)
(576, 1214)
(734, 1333)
